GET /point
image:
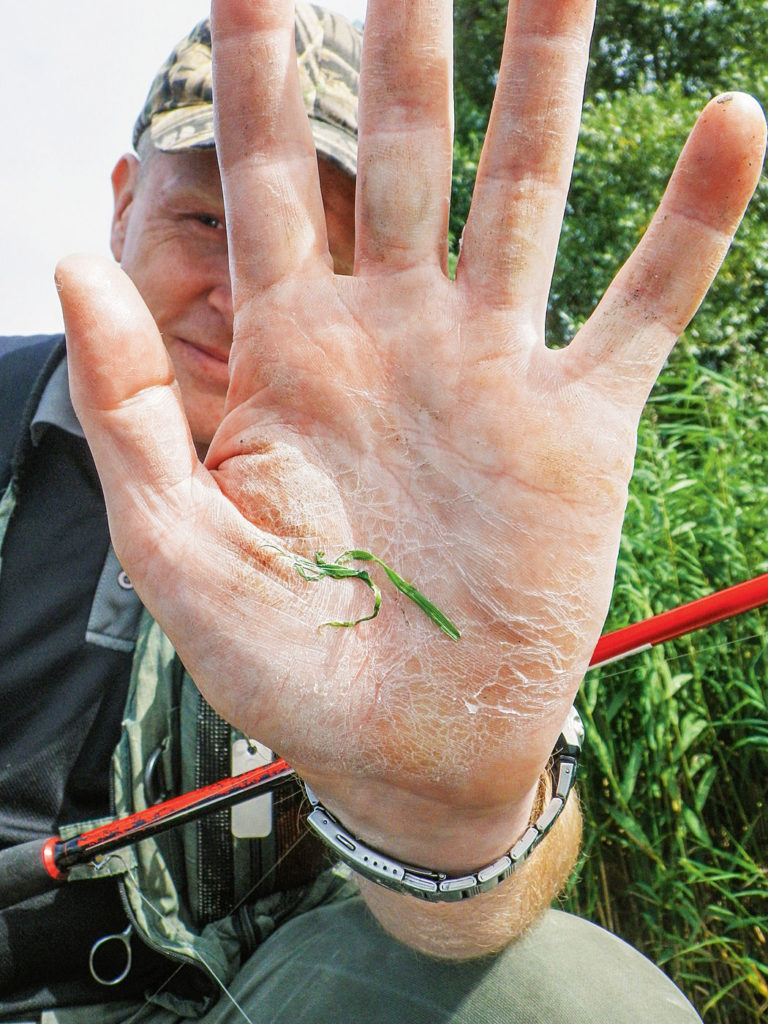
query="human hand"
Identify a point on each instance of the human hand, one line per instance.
(396, 411)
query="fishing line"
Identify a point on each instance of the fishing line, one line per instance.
(194, 955)
(617, 673)
(139, 1013)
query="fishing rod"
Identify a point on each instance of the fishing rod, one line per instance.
(32, 868)
(686, 618)
(35, 867)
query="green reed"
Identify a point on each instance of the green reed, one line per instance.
(675, 779)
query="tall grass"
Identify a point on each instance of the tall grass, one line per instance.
(675, 782)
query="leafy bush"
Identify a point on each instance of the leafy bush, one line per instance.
(677, 738)
(628, 147)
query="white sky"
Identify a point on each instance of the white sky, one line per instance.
(73, 77)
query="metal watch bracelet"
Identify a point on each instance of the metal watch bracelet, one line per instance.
(436, 886)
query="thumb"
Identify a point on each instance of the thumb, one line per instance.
(126, 397)
(113, 346)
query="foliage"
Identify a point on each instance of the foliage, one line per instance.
(705, 45)
(677, 739)
(627, 150)
(679, 52)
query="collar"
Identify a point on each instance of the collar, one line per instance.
(55, 407)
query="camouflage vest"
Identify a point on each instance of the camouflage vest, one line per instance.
(198, 893)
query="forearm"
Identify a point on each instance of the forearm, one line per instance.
(486, 923)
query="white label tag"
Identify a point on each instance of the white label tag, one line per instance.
(251, 819)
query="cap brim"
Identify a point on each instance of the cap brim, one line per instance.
(183, 128)
(192, 128)
(335, 144)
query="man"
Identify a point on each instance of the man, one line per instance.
(372, 413)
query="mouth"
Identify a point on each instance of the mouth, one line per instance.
(209, 361)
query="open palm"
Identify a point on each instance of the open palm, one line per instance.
(400, 413)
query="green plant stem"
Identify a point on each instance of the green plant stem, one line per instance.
(339, 569)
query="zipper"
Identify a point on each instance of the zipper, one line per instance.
(175, 956)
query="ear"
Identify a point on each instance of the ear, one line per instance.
(125, 179)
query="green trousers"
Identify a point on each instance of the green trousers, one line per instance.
(334, 965)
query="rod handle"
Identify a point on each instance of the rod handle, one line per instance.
(27, 870)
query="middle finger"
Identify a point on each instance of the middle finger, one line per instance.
(406, 135)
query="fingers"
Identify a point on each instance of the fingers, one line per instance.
(266, 154)
(657, 292)
(512, 232)
(406, 135)
(267, 157)
(123, 390)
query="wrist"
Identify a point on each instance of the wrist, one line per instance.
(477, 842)
(408, 834)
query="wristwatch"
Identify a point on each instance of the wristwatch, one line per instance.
(436, 886)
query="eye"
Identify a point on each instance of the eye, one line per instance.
(208, 220)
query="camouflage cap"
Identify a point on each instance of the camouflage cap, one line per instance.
(178, 112)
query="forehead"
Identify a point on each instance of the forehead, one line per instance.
(189, 171)
(196, 172)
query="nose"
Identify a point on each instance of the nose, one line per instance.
(220, 299)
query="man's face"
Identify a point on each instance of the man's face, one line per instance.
(169, 235)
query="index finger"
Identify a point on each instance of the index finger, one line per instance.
(274, 209)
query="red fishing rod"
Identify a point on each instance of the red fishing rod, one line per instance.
(687, 618)
(32, 868)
